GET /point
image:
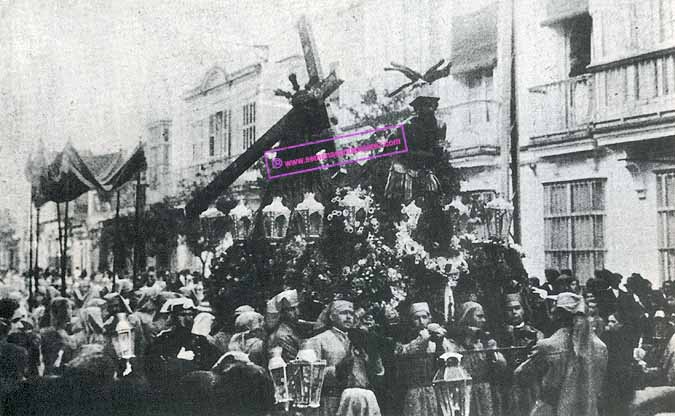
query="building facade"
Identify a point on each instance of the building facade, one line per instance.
(596, 99)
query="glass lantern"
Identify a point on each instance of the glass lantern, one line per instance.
(277, 368)
(241, 217)
(311, 216)
(275, 219)
(499, 213)
(355, 205)
(452, 384)
(123, 339)
(305, 377)
(413, 212)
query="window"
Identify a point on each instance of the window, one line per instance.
(665, 203)
(212, 146)
(248, 130)
(226, 139)
(574, 233)
(578, 39)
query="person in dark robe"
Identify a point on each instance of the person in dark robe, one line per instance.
(570, 365)
(619, 387)
(170, 355)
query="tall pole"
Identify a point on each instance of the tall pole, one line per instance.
(504, 59)
(58, 225)
(116, 247)
(137, 233)
(515, 140)
(64, 259)
(30, 246)
(37, 247)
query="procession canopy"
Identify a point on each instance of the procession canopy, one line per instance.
(67, 176)
(474, 41)
(122, 170)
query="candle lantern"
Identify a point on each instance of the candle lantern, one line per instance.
(498, 214)
(123, 339)
(356, 207)
(310, 212)
(241, 217)
(413, 212)
(305, 377)
(452, 385)
(277, 367)
(275, 219)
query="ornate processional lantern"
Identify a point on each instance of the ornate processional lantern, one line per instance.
(498, 218)
(305, 377)
(452, 385)
(275, 220)
(242, 219)
(311, 216)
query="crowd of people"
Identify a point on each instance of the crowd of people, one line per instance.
(95, 347)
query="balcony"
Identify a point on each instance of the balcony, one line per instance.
(629, 94)
(635, 92)
(561, 110)
(472, 128)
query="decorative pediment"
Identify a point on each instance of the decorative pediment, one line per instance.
(214, 77)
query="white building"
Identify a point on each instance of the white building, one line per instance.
(596, 100)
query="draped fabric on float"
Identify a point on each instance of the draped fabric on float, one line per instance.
(67, 176)
(122, 171)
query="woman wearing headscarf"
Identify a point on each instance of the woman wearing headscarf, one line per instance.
(471, 341)
(417, 366)
(57, 345)
(250, 338)
(570, 365)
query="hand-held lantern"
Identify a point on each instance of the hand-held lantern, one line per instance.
(277, 368)
(452, 385)
(306, 375)
(123, 339)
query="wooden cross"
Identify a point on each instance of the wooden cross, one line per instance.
(310, 113)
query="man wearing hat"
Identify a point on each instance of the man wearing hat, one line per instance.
(518, 400)
(569, 366)
(333, 346)
(170, 355)
(285, 335)
(416, 375)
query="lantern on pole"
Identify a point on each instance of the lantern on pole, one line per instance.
(123, 339)
(310, 212)
(452, 385)
(498, 214)
(241, 217)
(305, 377)
(208, 219)
(275, 220)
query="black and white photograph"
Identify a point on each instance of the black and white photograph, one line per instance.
(337, 208)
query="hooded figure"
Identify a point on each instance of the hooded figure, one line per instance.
(570, 365)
